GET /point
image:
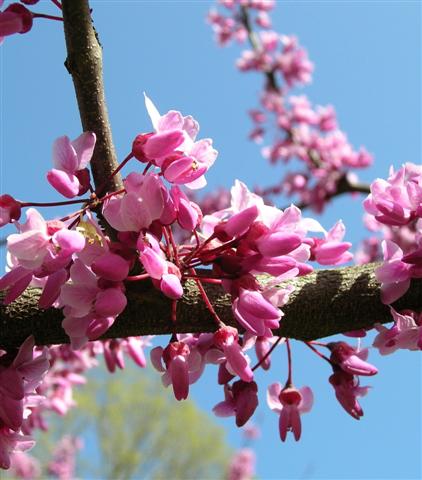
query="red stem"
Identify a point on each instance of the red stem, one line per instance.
(53, 204)
(289, 360)
(207, 301)
(136, 278)
(215, 281)
(44, 15)
(115, 172)
(270, 351)
(308, 344)
(57, 3)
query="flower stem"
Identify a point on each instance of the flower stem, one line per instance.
(58, 4)
(49, 17)
(270, 351)
(53, 204)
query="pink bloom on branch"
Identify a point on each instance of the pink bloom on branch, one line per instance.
(351, 360)
(188, 164)
(136, 209)
(394, 274)
(331, 250)
(18, 381)
(40, 249)
(179, 365)
(166, 276)
(293, 62)
(405, 333)
(397, 200)
(25, 466)
(15, 19)
(241, 400)
(227, 339)
(70, 175)
(255, 313)
(11, 441)
(289, 403)
(10, 209)
(242, 465)
(90, 305)
(347, 389)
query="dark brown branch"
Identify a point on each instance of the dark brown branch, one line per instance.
(84, 63)
(324, 303)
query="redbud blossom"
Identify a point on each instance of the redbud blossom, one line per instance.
(405, 333)
(10, 209)
(227, 339)
(351, 360)
(289, 403)
(241, 400)
(14, 19)
(70, 176)
(347, 390)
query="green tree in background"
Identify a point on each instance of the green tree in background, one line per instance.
(132, 429)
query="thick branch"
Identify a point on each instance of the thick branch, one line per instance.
(84, 63)
(324, 303)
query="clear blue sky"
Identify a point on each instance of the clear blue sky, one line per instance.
(368, 65)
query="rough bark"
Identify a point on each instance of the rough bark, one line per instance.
(84, 62)
(324, 303)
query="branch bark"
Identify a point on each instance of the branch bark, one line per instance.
(324, 303)
(84, 62)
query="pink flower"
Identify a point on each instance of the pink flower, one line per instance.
(241, 400)
(19, 380)
(347, 390)
(189, 214)
(394, 274)
(351, 360)
(90, 306)
(255, 313)
(70, 177)
(166, 276)
(136, 209)
(227, 339)
(188, 164)
(242, 465)
(25, 466)
(293, 62)
(10, 209)
(180, 366)
(405, 333)
(15, 19)
(290, 403)
(11, 441)
(40, 249)
(332, 250)
(397, 201)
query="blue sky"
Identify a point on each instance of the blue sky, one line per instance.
(368, 65)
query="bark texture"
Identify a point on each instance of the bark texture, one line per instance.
(324, 303)
(85, 63)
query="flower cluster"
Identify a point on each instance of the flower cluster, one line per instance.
(395, 206)
(18, 382)
(86, 274)
(309, 135)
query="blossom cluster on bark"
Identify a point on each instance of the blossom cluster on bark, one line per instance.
(151, 233)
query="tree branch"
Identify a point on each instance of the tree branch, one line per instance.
(84, 63)
(324, 303)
